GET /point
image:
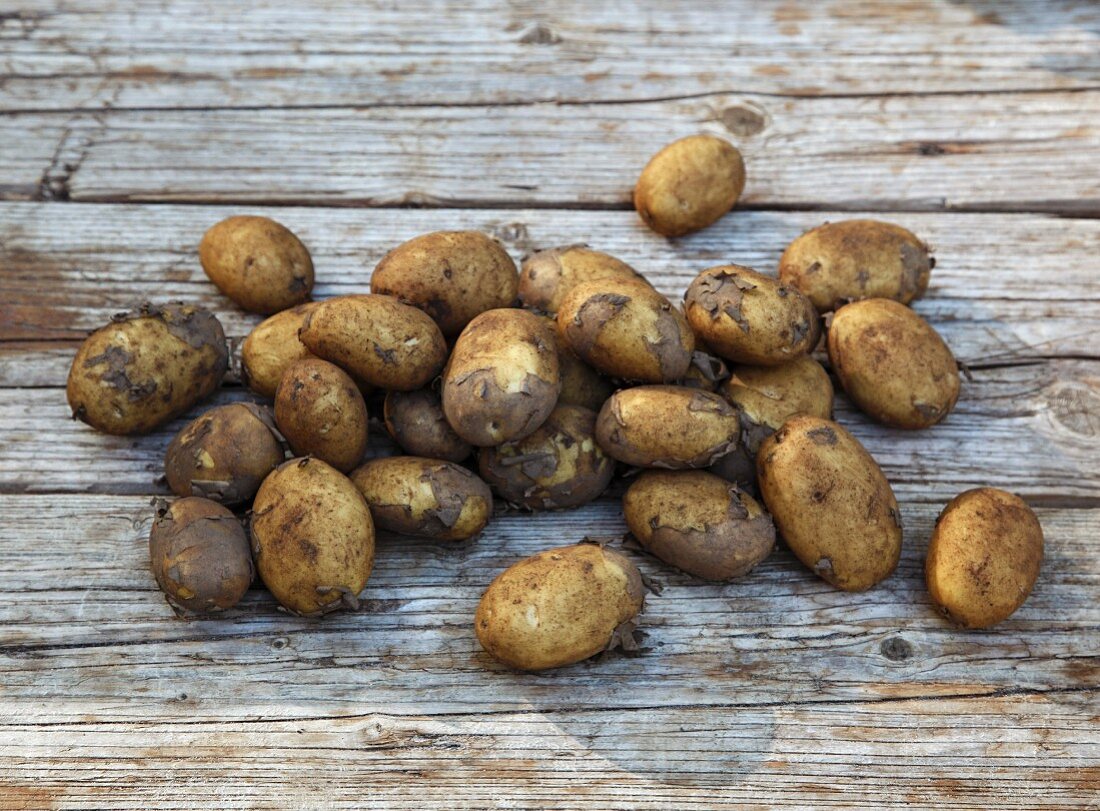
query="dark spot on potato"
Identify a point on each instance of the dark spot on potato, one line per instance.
(823, 435)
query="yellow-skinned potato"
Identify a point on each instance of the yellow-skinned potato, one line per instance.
(893, 364)
(322, 413)
(830, 502)
(427, 497)
(559, 607)
(984, 557)
(416, 422)
(147, 367)
(271, 347)
(548, 275)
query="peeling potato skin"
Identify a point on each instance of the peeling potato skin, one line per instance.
(548, 275)
(830, 502)
(258, 263)
(416, 422)
(199, 554)
(851, 260)
(667, 427)
(321, 413)
(699, 523)
(147, 367)
(690, 184)
(707, 371)
(503, 378)
(747, 317)
(451, 275)
(559, 607)
(559, 466)
(312, 537)
(425, 497)
(984, 557)
(893, 364)
(580, 384)
(271, 347)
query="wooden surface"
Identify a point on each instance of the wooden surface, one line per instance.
(127, 128)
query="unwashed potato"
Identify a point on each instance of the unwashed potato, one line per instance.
(313, 537)
(706, 372)
(548, 275)
(428, 497)
(258, 263)
(893, 364)
(830, 502)
(271, 347)
(147, 367)
(748, 317)
(559, 607)
(322, 413)
(451, 275)
(699, 523)
(503, 378)
(580, 384)
(558, 466)
(689, 185)
(856, 259)
(224, 454)
(199, 554)
(984, 557)
(415, 421)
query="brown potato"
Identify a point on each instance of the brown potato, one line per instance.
(893, 364)
(559, 607)
(830, 502)
(984, 557)
(415, 421)
(271, 347)
(321, 413)
(706, 372)
(548, 275)
(580, 384)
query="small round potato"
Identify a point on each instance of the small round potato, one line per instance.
(856, 259)
(271, 347)
(427, 497)
(893, 364)
(699, 523)
(830, 502)
(689, 185)
(415, 421)
(557, 467)
(748, 317)
(984, 557)
(258, 263)
(147, 367)
(560, 606)
(451, 275)
(199, 555)
(322, 413)
(313, 537)
(548, 275)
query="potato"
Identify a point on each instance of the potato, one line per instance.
(984, 557)
(258, 263)
(706, 372)
(377, 340)
(548, 275)
(558, 466)
(626, 329)
(415, 421)
(199, 555)
(830, 502)
(147, 367)
(224, 454)
(503, 378)
(313, 537)
(699, 523)
(748, 317)
(894, 366)
(667, 426)
(856, 259)
(429, 497)
(451, 275)
(271, 347)
(321, 413)
(689, 185)
(580, 383)
(559, 607)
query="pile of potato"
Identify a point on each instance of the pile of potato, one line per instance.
(538, 385)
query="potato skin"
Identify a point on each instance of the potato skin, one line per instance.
(415, 421)
(850, 260)
(199, 555)
(271, 347)
(699, 523)
(689, 185)
(557, 467)
(546, 276)
(830, 502)
(503, 378)
(313, 537)
(258, 263)
(747, 317)
(580, 384)
(984, 557)
(426, 497)
(147, 367)
(559, 607)
(893, 364)
(451, 275)
(321, 413)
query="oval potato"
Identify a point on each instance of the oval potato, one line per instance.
(415, 421)
(271, 347)
(322, 413)
(546, 276)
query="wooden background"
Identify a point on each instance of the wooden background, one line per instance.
(129, 126)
